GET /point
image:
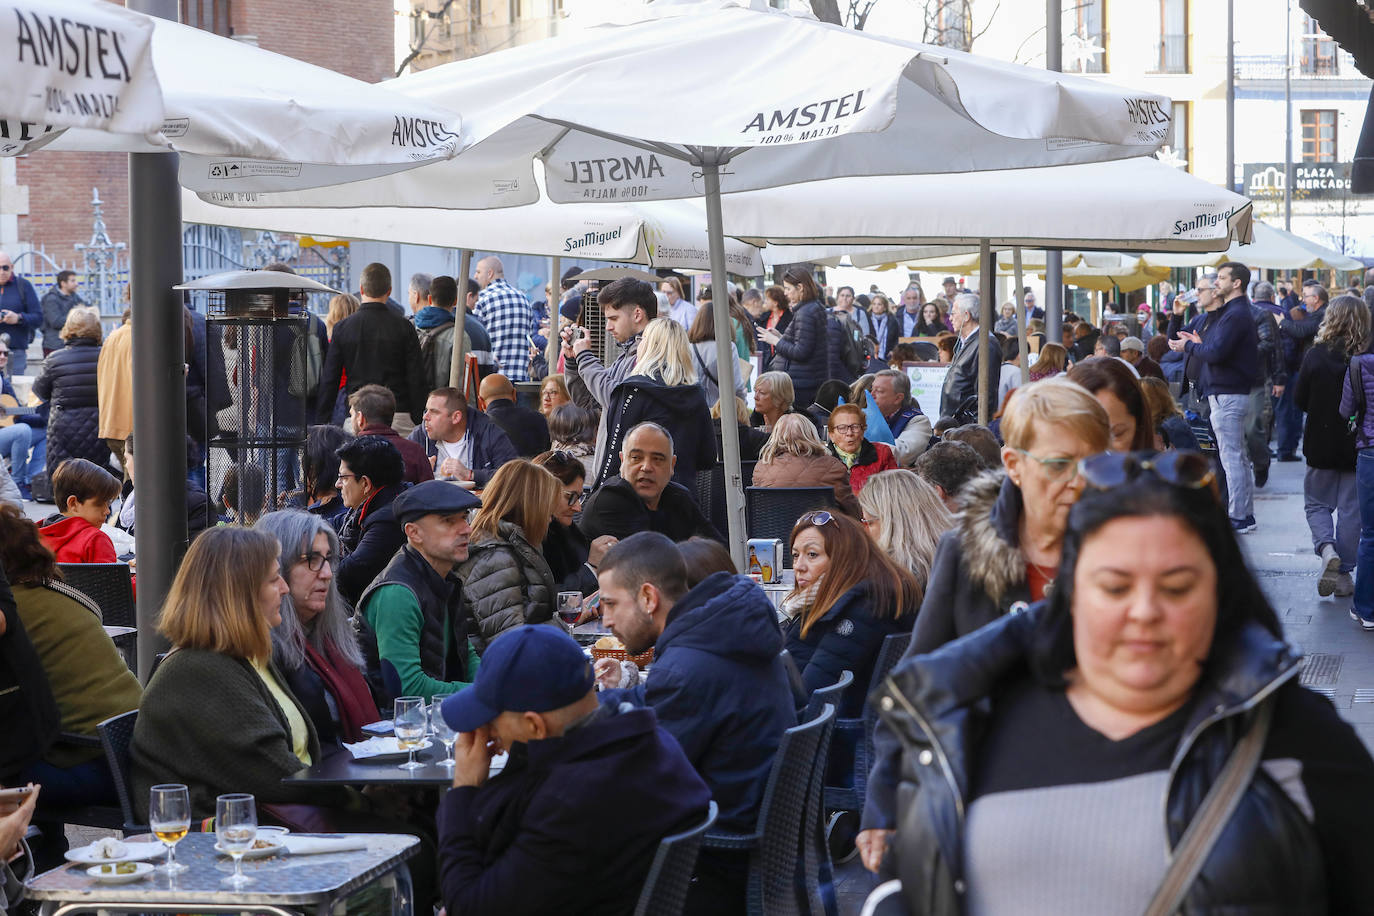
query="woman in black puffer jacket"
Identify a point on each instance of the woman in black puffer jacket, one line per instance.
(803, 349)
(68, 382)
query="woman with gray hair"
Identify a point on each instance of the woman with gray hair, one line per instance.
(315, 646)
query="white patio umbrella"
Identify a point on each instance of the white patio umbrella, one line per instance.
(74, 63)
(1273, 248)
(754, 98)
(665, 233)
(245, 120)
(1137, 204)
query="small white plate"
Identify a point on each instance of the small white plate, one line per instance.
(272, 832)
(141, 870)
(138, 852)
(255, 853)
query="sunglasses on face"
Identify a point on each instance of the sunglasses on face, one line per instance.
(1189, 470)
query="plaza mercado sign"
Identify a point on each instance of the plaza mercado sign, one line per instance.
(1311, 180)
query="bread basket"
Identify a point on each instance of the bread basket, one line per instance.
(621, 654)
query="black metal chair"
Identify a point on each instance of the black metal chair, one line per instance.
(111, 587)
(846, 802)
(771, 512)
(670, 877)
(784, 872)
(832, 695)
(710, 493)
(116, 734)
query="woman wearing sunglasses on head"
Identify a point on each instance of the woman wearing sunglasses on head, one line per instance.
(849, 597)
(1077, 753)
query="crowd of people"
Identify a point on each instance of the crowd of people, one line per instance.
(1071, 571)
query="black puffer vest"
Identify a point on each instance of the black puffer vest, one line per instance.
(440, 600)
(1267, 861)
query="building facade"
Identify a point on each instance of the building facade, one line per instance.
(45, 198)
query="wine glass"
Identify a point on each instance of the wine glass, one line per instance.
(169, 816)
(410, 727)
(236, 826)
(446, 735)
(569, 608)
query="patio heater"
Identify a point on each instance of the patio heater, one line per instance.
(255, 445)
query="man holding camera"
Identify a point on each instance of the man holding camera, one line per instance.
(629, 305)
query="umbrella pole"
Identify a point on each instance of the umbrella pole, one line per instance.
(455, 369)
(159, 380)
(986, 294)
(725, 360)
(555, 321)
(1021, 330)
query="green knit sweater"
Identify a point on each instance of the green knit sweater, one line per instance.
(207, 720)
(89, 679)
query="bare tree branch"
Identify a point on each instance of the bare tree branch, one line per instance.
(987, 25)
(827, 11)
(418, 47)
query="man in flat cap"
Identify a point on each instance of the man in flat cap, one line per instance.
(572, 822)
(415, 605)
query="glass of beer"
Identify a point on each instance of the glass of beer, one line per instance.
(410, 727)
(169, 816)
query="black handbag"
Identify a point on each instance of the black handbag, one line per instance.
(27, 707)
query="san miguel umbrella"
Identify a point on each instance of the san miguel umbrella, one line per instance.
(1273, 249)
(245, 120)
(754, 98)
(74, 63)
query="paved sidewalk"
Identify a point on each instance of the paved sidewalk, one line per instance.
(1340, 656)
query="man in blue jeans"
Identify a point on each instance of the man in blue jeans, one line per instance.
(1230, 361)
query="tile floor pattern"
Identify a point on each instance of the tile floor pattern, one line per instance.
(1340, 656)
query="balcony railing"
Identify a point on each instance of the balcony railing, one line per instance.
(1171, 54)
(1309, 63)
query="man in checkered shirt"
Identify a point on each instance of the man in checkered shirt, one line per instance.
(508, 317)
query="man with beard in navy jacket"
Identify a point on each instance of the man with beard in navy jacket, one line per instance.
(720, 685)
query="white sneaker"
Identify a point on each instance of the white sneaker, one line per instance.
(1331, 570)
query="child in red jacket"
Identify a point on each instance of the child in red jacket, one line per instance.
(83, 491)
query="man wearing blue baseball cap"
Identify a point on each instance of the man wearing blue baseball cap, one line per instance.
(572, 822)
(415, 605)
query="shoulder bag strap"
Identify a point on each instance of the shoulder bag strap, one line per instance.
(1357, 389)
(702, 363)
(1212, 816)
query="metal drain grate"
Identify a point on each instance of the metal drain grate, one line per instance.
(1321, 669)
(1364, 694)
(1328, 692)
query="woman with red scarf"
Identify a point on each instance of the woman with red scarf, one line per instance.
(314, 646)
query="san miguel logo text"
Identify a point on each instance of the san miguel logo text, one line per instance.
(806, 122)
(77, 49)
(614, 170)
(591, 239)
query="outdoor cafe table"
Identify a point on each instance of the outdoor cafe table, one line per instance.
(283, 885)
(341, 769)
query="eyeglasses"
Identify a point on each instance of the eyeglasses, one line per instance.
(847, 428)
(815, 518)
(6, 267)
(869, 520)
(346, 477)
(316, 560)
(1189, 470)
(572, 496)
(1054, 468)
